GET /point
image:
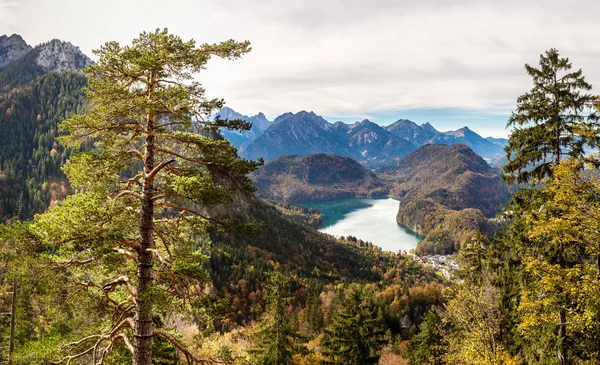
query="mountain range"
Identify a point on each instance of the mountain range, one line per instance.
(372, 145)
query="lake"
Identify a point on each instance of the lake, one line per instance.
(372, 220)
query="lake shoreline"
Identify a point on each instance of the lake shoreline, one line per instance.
(369, 219)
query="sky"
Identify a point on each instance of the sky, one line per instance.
(451, 63)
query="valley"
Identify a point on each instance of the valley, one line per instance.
(372, 220)
(143, 221)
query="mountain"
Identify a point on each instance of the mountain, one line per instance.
(488, 148)
(375, 144)
(51, 56)
(447, 193)
(370, 144)
(40, 87)
(410, 131)
(238, 138)
(303, 133)
(317, 177)
(12, 48)
(483, 147)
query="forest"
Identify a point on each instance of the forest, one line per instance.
(132, 235)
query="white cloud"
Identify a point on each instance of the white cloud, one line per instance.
(349, 58)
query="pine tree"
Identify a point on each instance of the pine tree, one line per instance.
(278, 339)
(550, 121)
(356, 333)
(147, 185)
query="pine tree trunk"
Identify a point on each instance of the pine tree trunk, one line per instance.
(143, 308)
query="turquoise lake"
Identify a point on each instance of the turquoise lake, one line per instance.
(372, 220)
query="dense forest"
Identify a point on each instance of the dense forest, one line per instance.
(158, 250)
(31, 157)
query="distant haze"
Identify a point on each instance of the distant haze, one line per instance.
(451, 63)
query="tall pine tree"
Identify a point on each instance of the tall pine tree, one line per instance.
(149, 181)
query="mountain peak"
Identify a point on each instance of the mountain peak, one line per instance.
(60, 56)
(12, 48)
(428, 127)
(283, 117)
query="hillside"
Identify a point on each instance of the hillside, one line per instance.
(447, 193)
(39, 87)
(317, 177)
(30, 157)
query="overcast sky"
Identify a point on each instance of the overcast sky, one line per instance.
(450, 63)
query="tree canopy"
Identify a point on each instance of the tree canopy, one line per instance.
(554, 119)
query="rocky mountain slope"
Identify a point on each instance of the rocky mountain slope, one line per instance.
(47, 57)
(260, 123)
(447, 193)
(488, 148)
(370, 144)
(302, 133)
(12, 48)
(376, 145)
(317, 177)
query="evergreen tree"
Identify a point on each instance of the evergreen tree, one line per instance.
(428, 346)
(550, 121)
(555, 120)
(314, 312)
(356, 333)
(566, 220)
(146, 186)
(278, 339)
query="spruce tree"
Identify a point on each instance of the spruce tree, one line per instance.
(278, 338)
(429, 345)
(553, 120)
(356, 333)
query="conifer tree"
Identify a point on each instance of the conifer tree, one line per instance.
(566, 219)
(553, 120)
(147, 185)
(278, 338)
(428, 346)
(356, 333)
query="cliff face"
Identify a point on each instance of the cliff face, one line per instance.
(31, 63)
(317, 177)
(60, 56)
(12, 48)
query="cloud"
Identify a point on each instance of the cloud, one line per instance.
(350, 58)
(7, 9)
